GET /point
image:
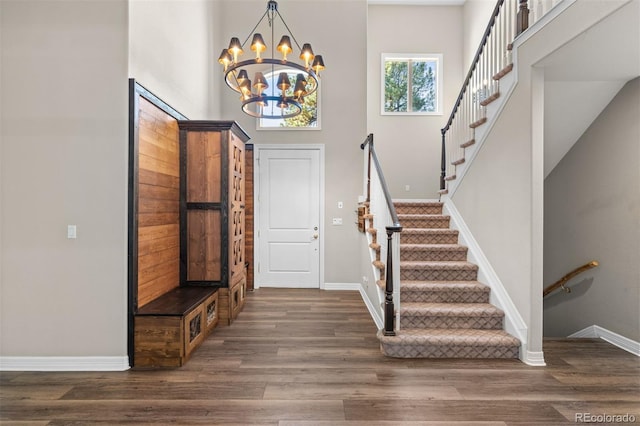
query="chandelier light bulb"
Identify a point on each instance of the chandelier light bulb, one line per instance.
(257, 45)
(307, 54)
(235, 48)
(284, 47)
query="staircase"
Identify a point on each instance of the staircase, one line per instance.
(444, 311)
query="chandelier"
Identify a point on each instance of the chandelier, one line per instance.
(270, 87)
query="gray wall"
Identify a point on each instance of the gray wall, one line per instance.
(64, 133)
(172, 52)
(337, 30)
(409, 146)
(592, 211)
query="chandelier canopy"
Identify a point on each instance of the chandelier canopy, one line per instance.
(279, 85)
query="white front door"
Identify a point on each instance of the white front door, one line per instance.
(288, 207)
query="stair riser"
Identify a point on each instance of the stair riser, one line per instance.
(411, 274)
(419, 209)
(444, 297)
(444, 351)
(475, 322)
(430, 223)
(415, 238)
(428, 255)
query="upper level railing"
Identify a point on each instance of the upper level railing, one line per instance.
(384, 212)
(492, 61)
(481, 85)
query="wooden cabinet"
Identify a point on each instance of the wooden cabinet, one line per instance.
(213, 210)
(186, 263)
(168, 329)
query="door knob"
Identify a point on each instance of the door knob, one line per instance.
(315, 236)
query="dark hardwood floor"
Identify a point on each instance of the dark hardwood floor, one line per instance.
(309, 357)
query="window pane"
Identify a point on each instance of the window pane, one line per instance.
(396, 78)
(308, 118)
(423, 86)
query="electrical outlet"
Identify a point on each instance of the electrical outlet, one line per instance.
(407, 188)
(71, 232)
(337, 221)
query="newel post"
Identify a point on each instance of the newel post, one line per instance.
(389, 309)
(522, 19)
(443, 161)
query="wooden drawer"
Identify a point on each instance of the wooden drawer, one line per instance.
(237, 294)
(171, 327)
(158, 341)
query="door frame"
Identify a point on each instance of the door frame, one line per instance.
(258, 148)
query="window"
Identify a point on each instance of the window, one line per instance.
(411, 84)
(308, 119)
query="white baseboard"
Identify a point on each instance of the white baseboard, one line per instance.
(615, 339)
(534, 359)
(342, 286)
(371, 308)
(64, 363)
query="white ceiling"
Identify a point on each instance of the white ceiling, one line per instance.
(584, 75)
(419, 2)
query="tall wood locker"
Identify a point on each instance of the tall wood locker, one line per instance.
(212, 210)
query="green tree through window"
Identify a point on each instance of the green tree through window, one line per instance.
(308, 118)
(411, 84)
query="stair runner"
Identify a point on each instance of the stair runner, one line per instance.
(444, 311)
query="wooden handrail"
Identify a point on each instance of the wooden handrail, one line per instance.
(373, 157)
(561, 282)
(389, 308)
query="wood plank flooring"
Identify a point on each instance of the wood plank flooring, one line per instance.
(310, 357)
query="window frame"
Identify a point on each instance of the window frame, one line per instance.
(407, 57)
(318, 125)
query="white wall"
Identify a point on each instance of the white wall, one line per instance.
(409, 146)
(172, 52)
(592, 211)
(476, 15)
(64, 161)
(337, 30)
(501, 196)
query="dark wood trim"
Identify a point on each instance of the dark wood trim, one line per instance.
(206, 283)
(136, 90)
(204, 206)
(155, 100)
(132, 220)
(214, 126)
(184, 236)
(224, 212)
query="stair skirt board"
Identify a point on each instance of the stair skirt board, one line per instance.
(444, 311)
(513, 324)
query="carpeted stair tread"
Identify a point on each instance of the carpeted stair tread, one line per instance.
(429, 236)
(482, 316)
(424, 221)
(437, 336)
(443, 343)
(433, 252)
(438, 271)
(450, 309)
(444, 292)
(417, 207)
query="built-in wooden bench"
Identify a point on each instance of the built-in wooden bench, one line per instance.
(169, 328)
